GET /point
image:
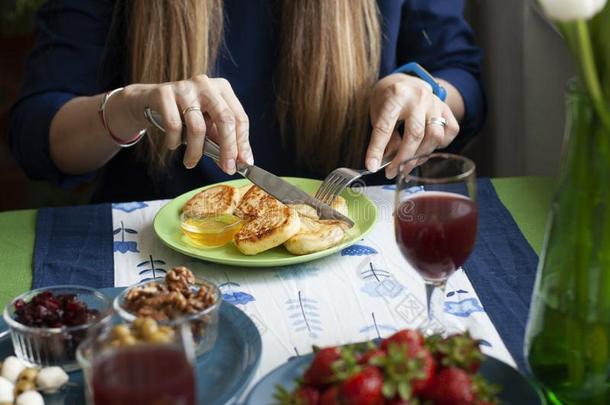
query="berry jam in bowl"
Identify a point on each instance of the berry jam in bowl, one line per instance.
(48, 324)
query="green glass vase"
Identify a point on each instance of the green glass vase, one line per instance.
(567, 340)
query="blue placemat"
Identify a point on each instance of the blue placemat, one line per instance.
(74, 246)
(502, 270)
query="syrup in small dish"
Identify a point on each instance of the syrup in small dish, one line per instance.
(210, 232)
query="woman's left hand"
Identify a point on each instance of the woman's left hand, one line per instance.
(410, 99)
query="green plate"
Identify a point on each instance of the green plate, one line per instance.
(167, 227)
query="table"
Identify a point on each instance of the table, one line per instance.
(527, 199)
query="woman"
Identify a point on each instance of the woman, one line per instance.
(302, 85)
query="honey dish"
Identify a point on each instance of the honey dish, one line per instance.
(210, 232)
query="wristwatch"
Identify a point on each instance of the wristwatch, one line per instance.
(415, 69)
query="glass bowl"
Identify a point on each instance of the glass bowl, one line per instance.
(204, 324)
(210, 232)
(43, 346)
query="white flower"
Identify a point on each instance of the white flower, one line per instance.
(569, 10)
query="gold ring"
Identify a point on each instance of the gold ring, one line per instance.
(437, 121)
(191, 109)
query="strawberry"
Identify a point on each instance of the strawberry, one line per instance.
(371, 354)
(330, 396)
(407, 372)
(412, 338)
(450, 386)
(303, 395)
(460, 351)
(485, 392)
(307, 396)
(321, 372)
(427, 368)
(363, 388)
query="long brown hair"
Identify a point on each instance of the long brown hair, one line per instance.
(330, 52)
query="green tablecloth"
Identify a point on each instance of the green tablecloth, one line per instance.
(527, 199)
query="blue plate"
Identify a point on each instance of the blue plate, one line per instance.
(517, 389)
(222, 374)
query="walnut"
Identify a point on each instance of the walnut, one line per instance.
(195, 305)
(146, 311)
(179, 279)
(178, 295)
(178, 300)
(137, 296)
(205, 295)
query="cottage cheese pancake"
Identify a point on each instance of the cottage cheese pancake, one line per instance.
(255, 202)
(314, 236)
(218, 200)
(268, 230)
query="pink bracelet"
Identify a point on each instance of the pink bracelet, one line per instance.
(116, 139)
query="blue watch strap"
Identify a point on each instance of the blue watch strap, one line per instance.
(416, 69)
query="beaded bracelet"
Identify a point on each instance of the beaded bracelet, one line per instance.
(116, 139)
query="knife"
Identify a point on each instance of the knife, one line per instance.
(270, 183)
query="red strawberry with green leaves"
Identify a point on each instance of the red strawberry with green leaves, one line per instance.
(330, 396)
(398, 401)
(485, 392)
(306, 395)
(362, 388)
(303, 395)
(412, 338)
(451, 386)
(460, 351)
(407, 372)
(321, 372)
(371, 354)
(422, 379)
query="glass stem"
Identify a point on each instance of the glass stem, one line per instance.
(429, 293)
(437, 327)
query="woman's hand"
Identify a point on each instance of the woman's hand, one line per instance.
(225, 120)
(401, 97)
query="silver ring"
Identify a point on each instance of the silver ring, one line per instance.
(191, 109)
(437, 121)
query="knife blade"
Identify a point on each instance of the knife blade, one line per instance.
(270, 183)
(287, 193)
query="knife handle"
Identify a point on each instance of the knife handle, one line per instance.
(210, 148)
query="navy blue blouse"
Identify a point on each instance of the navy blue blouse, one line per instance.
(80, 51)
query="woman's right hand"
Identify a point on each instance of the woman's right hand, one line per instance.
(225, 120)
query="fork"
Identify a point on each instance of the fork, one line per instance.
(340, 178)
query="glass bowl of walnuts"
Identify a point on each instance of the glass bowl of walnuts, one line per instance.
(180, 296)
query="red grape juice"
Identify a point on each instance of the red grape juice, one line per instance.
(145, 374)
(436, 232)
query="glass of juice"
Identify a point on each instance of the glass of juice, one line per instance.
(144, 368)
(435, 221)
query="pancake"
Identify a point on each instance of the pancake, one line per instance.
(340, 205)
(305, 210)
(217, 200)
(315, 235)
(255, 202)
(268, 230)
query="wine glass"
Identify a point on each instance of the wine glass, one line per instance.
(140, 363)
(435, 221)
